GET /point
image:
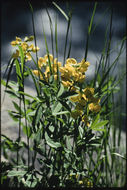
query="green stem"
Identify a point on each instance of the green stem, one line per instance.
(19, 133)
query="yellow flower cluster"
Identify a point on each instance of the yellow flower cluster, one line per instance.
(72, 75)
(86, 182)
(82, 99)
(73, 72)
(25, 47)
(43, 63)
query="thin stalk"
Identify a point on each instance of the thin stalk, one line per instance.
(34, 30)
(26, 131)
(69, 51)
(89, 31)
(109, 42)
(51, 29)
(35, 39)
(65, 47)
(107, 104)
(19, 133)
(23, 97)
(56, 41)
(120, 119)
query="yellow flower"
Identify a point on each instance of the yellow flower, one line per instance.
(85, 120)
(18, 39)
(31, 47)
(76, 113)
(47, 73)
(73, 88)
(87, 183)
(89, 92)
(36, 48)
(74, 98)
(81, 98)
(82, 102)
(70, 69)
(79, 77)
(95, 100)
(28, 39)
(16, 54)
(65, 75)
(24, 46)
(55, 77)
(79, 107)
(67, 83)
(94, 107)
(77, 176)
(40, 62)
(80, 182)
(83, 66)
(14, 43)
(28, 56)
(46, 59)
(56, 65)
(70, 61)
(37, 73)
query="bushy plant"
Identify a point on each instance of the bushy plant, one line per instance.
(67, 123)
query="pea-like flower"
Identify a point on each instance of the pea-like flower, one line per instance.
(94, 107)
(43, 62)
(25, 47)
(76, 113)
(86, 120)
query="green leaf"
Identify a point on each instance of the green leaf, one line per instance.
(117, 154)
(63, 13)
(80, 131)
(61, 90)
(16, 173)
(30, 112)
(23, 93)
(27, 130)
(31, 181)
(98, 129)
(68, 141)
(61, 113)
(51, 128)
(18, 71)
(10, 67)
(17, 107)
(57, 108)
(100, 124)
(22, 58)
(37, 116)
(13, 116)
(51, 143)
(66, 94)
(96, 120)
(34, 80)
(3, 82)
(12, 93)
(65, 105)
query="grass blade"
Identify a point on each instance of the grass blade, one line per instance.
(91, 21)
(62, 12)
(89, 31)
(51, 29)
(56, 43)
